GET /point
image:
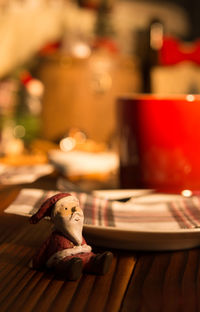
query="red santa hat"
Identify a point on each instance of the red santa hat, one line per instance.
(46, 208)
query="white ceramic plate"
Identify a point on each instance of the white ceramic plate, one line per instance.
(142, 240)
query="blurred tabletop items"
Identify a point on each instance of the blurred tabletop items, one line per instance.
(58, 98)
(80, 161)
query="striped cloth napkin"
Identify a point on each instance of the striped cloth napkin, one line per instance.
(152, 212)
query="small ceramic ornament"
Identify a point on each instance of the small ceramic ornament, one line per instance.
(66, 251)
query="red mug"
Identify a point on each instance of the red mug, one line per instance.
(159, 144)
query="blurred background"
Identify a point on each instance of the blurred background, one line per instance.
(63, 64)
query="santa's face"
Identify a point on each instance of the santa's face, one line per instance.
(67, 217)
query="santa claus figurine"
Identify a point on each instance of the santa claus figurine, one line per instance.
(66, 251)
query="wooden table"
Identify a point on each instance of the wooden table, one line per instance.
(137, 281)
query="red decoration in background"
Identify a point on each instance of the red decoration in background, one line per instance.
(50, 48)
(107, 44)
(90, 4)
(174, 51)
(25, 77)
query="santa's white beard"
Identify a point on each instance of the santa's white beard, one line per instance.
(71, 226)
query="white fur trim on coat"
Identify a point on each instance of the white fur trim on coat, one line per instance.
(59, 255)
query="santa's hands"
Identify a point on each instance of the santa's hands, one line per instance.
(80, 249)
(85, 248)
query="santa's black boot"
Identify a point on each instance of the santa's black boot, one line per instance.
(100, 263)
(70, 270)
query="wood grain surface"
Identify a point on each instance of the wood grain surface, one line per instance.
(137, 281)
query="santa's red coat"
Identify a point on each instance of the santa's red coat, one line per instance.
(57, 242)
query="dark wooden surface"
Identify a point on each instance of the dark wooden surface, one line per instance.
(137, 281)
